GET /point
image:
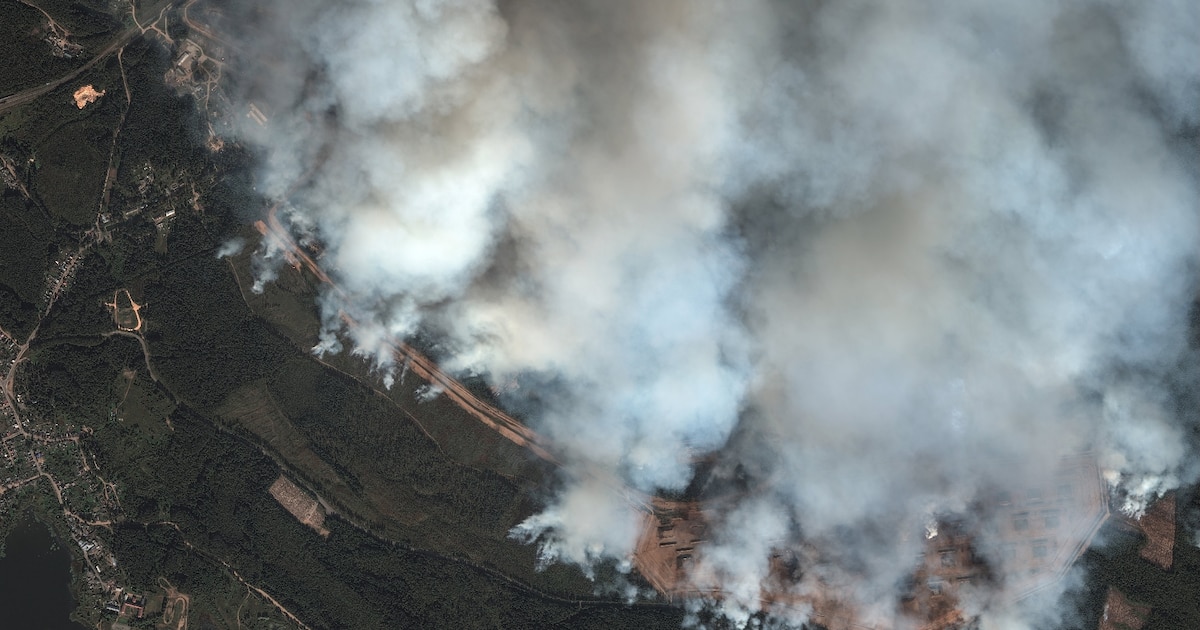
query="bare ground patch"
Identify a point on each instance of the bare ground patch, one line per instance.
(300, 504)
(1159, 525)
(125, 311)
(1122, 614)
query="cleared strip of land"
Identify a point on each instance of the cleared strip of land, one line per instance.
(301, 505)
(1159, 525)
(1122, 614)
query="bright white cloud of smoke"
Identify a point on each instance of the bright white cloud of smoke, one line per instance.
(910, 250)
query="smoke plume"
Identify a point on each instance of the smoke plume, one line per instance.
(882, 257)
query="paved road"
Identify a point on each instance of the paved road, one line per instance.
(25, 96)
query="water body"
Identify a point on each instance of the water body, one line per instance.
(35, 580)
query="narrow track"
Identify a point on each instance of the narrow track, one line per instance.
(503, 424)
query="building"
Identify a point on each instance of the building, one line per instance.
(133, 606)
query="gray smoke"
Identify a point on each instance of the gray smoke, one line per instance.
(884, 256)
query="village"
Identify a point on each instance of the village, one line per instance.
(45, 464)
(42, 457)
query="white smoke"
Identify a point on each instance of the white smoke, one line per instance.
(902, 252)
(231, 247)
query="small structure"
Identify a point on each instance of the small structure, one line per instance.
(180, 72)
(133, 606)
(256, 114)
(190, 52)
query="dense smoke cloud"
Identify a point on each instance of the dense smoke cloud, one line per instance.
(882, 255)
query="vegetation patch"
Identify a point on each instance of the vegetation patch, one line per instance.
(89, 21)
(75, 380)
(142, 403)
(25, 236)
(70, 171)
(253, 409)
(25, 39)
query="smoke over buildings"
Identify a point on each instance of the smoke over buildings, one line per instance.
(883, 257)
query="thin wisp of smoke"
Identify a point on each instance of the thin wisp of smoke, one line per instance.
(881, 257)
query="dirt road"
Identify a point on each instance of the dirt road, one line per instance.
(27, 96)
(503, 424)
(32, 94)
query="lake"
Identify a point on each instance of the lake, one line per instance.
(35, 580)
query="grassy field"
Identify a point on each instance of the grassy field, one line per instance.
(141, 402)
(426, 473)
(254, 409)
